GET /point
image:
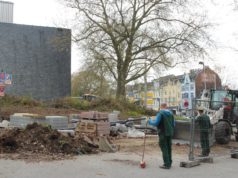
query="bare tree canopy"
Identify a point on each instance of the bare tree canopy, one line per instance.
(88, 82)
(127, 35)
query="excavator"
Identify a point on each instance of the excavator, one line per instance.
(222, 107)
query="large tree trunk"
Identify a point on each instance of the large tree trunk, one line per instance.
(121, 89)
(121, 81)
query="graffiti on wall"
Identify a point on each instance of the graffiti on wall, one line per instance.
(5, 79)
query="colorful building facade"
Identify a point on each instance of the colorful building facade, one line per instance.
(170, 90)
(187, 92)
(177, 91)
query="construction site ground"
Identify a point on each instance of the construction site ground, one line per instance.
(51, 156)
(125, 163)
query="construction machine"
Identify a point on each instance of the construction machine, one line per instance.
(222, 107)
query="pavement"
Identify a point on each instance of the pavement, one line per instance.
(117, 165)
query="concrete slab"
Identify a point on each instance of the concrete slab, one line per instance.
(189, 164)
(104, 145)
(207, 159)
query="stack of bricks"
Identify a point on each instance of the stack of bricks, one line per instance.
(94, 115)
(101, 120)
(86, 127)
(103, 128)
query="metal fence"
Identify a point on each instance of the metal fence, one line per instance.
(204, 138)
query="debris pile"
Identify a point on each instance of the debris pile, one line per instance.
(36, 138)
(96, 124)
(33, 135)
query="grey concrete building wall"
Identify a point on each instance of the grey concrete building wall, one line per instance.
(39, 59)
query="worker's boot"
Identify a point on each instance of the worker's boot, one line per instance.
(164, 167)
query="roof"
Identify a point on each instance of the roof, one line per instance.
(165, 79)
(193, 73)
(7, 2)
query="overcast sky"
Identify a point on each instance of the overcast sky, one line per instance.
(222, 13)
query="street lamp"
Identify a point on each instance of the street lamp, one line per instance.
(205, 85)
(154, 91)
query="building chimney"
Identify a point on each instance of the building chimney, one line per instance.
(6, 12)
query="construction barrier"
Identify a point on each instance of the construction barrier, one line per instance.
(208, 129)
(210, 133)
(182, 132)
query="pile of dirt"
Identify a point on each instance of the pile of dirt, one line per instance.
(38, 139)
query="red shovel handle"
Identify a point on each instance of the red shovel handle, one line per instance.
(143, 154)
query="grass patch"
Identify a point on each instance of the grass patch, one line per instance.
(69, 103)
(126, 108)
(8, 100)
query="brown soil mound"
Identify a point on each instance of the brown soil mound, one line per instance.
(39, 139)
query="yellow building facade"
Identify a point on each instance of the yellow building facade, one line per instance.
(170, 93)
(163, 90)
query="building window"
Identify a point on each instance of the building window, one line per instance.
(130, 94)
(192, 86)
(192, 95)
(185, 95)
(186, 87)
(183, 88)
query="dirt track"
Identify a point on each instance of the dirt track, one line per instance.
(136, 146)
(33, 145)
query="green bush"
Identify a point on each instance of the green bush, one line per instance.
(133, 113)
(181, 118)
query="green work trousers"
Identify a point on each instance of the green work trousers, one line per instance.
(204, 139)
(165, 143)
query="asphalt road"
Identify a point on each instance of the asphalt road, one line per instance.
(117, 165)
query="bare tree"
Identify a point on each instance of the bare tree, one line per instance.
(99, 68)
(127, 35)
(88, 82)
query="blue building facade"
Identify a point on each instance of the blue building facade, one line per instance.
(188, 92)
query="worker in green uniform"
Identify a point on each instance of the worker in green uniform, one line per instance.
(204, 123)
(165, 123)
